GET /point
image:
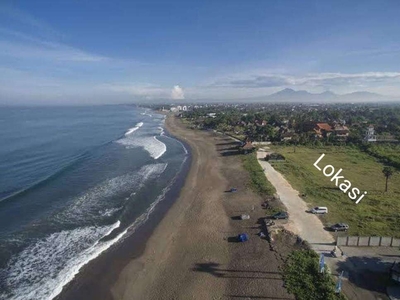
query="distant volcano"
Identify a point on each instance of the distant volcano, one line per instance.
(290, 95)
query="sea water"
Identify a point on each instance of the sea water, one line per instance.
(73, 182)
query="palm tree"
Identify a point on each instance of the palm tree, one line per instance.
(295, 140)
(387, 172)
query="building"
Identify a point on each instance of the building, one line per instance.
(341, 132)
(287, 136)
(370, 135)
(323, 130)
(248, 147)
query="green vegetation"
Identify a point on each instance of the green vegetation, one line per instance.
(302, 278)
(295, 124)
(387, 172)
(376, 214)
(258, 181)
(386, 153)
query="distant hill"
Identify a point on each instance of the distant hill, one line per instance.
(290, 95)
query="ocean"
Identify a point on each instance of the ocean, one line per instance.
(73, 182)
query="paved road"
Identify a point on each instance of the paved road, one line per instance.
(308, 226)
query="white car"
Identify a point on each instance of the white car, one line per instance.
(319, 210)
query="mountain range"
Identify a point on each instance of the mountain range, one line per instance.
(290, 95)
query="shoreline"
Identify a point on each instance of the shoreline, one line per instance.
(192, 253)
(85, 284)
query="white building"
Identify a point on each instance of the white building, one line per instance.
(370, 134)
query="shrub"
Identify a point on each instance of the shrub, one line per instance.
(302, 278)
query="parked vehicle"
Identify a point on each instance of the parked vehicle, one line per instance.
(244, 217)
(340, 227)
(281, 215)
(319, 210)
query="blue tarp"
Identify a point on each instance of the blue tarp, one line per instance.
(243, 237)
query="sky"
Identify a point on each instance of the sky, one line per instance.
(99, 52)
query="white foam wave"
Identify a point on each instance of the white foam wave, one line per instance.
(133, 129)
(42, 269)
(146, 114)
(145, 216)
(158, 151)
(109, 212)
(152, 145)
(95, 200)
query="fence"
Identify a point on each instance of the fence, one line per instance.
(367, 241)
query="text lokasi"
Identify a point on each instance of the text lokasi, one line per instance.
(344, 185)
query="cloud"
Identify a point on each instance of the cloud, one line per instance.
(177, 93)
(310, 81)
(260, 81)
(144, 91)
(14, 15)
(19, 45)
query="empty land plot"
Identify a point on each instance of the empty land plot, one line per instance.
(378, 213)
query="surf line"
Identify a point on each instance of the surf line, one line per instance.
(345, 185)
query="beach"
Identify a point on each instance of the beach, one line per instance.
(190, 252)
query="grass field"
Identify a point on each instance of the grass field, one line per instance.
(378, 213)
(258, 181)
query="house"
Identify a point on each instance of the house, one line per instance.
(248, 147)
(341, 132)
(370, 134)
(323, 130)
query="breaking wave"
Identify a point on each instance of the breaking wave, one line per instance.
(151, 144)
(133, 129)
(41, 270)
(95, 202)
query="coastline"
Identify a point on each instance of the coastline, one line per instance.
(193, 253)
(96, 278)
(187, 250)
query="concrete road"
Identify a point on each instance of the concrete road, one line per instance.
(308, 226)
